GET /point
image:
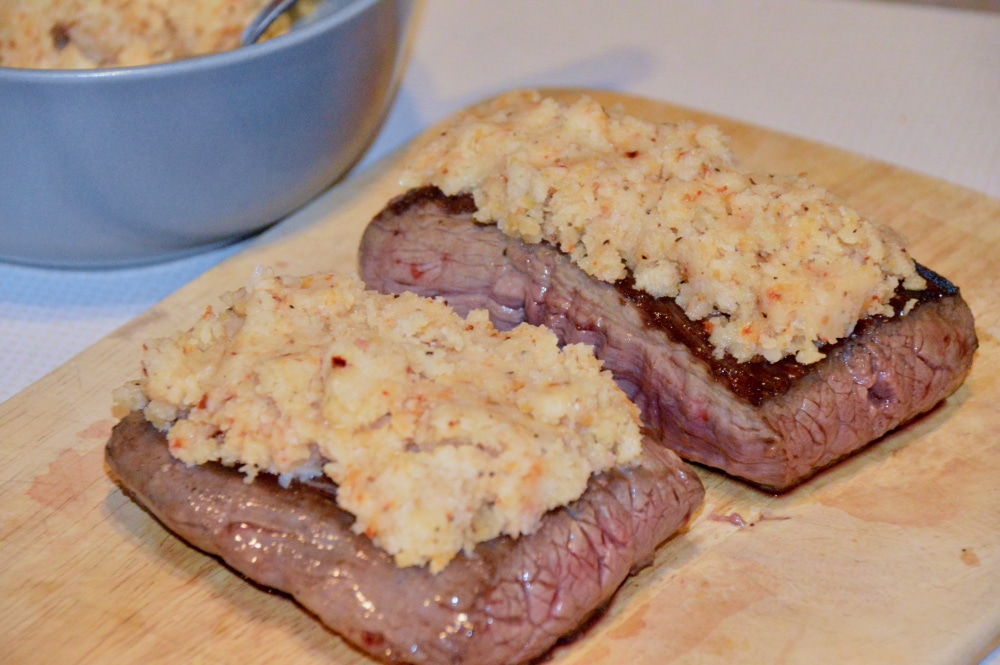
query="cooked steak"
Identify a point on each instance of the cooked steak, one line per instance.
(773, 424)
(508, 602)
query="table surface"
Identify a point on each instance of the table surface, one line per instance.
(915, 84)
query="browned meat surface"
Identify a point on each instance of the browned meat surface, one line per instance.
(508, 603)
(773, 425)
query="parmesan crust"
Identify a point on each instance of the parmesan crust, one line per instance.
(774, 266)
(86, 34)
(441, 432)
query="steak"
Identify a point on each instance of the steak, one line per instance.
(772, 424)
(508, 602)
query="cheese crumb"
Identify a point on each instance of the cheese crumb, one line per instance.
(87, 34)
(774, 266)
(441, 432)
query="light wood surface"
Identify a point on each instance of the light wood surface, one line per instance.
(890, 557)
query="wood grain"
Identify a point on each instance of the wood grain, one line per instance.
(890, 557)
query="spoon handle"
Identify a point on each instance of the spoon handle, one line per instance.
(264, 19)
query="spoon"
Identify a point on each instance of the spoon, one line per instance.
(309, 12)
(268, 15)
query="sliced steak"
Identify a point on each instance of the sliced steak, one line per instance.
(773, 424)
(507, 603)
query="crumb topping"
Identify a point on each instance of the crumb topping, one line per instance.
(774, 266)
(87, 34)
(441, 432)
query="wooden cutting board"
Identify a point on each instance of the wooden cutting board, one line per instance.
(890, 557)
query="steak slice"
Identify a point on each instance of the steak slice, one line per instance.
(772, 424)
(508, 602)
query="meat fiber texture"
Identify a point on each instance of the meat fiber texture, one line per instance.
(509, 602)
(889, 371)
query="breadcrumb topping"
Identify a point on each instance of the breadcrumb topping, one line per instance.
(774, 266)
(441, 432)
(86, 34)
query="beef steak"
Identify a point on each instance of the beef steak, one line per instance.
(773, 424)
(507, 603)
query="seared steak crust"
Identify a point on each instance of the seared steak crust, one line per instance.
(509, 602)
(758, 380)
(785, 423)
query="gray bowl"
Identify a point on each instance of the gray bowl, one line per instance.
(120, 166)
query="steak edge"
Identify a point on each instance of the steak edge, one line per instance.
(509, 602)
(885, 374)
